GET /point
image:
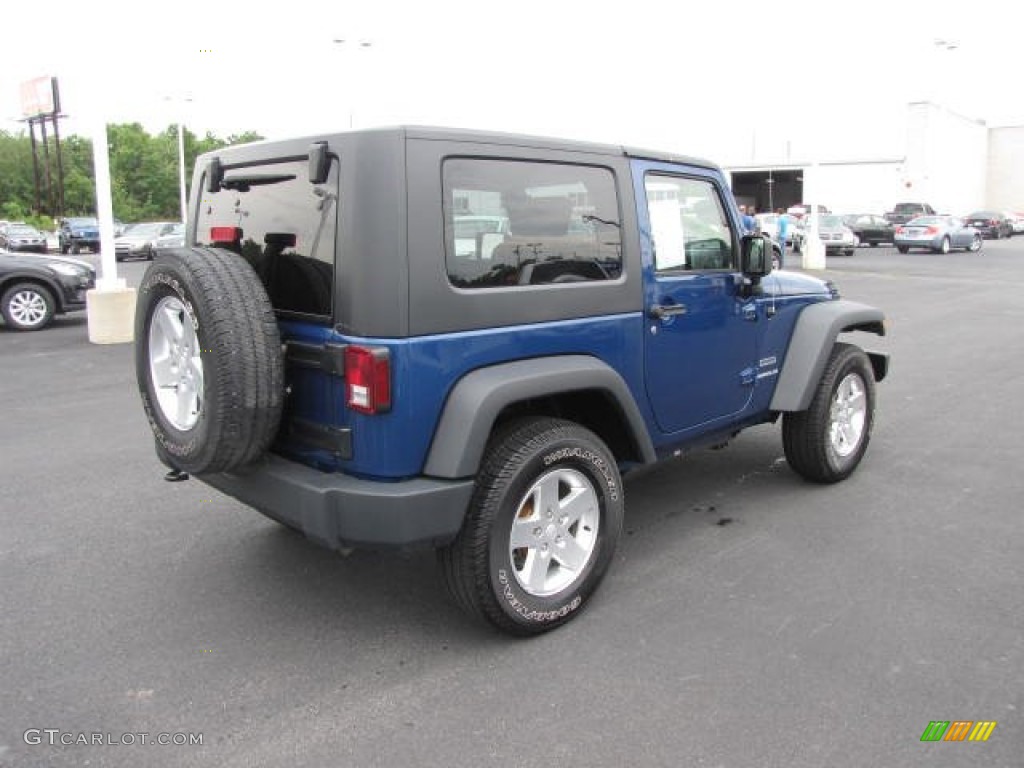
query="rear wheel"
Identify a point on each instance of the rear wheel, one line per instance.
(975, 245)
(902, 248)
(541, 529)
(826, 442)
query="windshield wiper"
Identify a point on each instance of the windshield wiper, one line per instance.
(243, 183)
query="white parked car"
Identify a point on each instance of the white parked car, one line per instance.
(1016, 221)
(768, 224)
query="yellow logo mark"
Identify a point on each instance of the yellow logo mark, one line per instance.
(982, 730)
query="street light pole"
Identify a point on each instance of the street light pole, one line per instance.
(361, 45)
(182, 191)
(181, 172)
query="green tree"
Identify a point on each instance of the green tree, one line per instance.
(143, 171)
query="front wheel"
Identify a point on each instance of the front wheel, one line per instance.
(27, 307)
(826, 442)
(943, 246)
(975, 245)
(902, 248)
(541, 529)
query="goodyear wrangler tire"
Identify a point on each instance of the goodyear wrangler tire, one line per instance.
(541, 529)
(208, 360)
(826, 442)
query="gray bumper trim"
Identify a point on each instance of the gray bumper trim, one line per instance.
(338, 510)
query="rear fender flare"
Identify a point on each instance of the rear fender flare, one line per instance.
(479, 397)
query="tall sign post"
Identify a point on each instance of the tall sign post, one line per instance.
(40, 105)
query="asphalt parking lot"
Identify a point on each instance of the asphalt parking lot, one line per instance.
(750, 619)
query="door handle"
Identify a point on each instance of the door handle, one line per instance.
(661, 311)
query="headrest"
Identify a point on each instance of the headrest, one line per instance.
(539, 215)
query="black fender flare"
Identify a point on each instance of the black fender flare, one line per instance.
(476, 401)
(814, 334)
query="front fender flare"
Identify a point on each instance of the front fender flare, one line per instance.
(815, 333)
(479, 397)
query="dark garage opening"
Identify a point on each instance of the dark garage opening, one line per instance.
(768, 190)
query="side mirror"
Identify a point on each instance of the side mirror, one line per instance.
(755, 257)
(319, 163)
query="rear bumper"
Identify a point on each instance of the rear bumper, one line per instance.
(929, 242)
(338, 510)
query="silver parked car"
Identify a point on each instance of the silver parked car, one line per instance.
(835, 235)
(139, 240)
(175, 238)
(940, 234)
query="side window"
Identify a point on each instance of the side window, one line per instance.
(283, 226)
(689, 225)
(520, 223)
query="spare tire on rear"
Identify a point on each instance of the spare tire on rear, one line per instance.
(208, 360)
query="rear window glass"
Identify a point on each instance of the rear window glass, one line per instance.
(517, 223)
(283, 226)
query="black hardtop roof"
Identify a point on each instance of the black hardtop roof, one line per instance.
(298, 146)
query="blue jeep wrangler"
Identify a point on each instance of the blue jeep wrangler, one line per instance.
(418, 336)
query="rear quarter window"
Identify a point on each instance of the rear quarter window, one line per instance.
(525, 223)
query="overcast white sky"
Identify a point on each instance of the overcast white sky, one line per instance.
(730, 81)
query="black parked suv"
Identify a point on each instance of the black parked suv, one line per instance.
(462, 340)
(35, 288)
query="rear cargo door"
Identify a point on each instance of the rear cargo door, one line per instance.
(285, 227)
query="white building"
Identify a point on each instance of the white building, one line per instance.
(954, 163)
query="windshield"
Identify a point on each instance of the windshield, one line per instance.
(82, 222)
(928, 221)
(831, 222)
(22, 231)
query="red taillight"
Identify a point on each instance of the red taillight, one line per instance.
(933, 230)
(899, 230)
(993, 223)
(225, 234)
(367, 379)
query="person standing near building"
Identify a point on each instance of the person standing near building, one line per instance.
(783, 232)
(747, 221)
